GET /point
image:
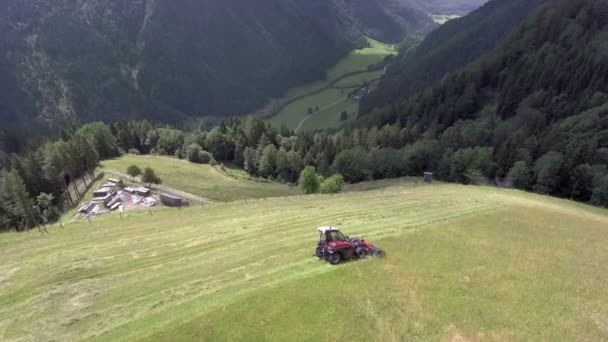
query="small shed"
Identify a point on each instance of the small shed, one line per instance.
(109, 185)
(114, 200)
(144, 192)
(87, 207)
(102, 192)
(115, 181)
(171, 200)
(428, 177)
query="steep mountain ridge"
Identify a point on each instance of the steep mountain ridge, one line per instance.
(535, 109)
(66, 61)
(448, 48)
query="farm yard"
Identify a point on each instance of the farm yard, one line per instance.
(206, 181)
(463, 263)
(330, 96)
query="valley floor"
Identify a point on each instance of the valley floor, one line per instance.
(462, 263)
(331, 96)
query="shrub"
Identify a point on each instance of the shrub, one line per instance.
(133, 171)
(521, 175)
(309, 180)
(196, 154)
(134, 151)
(547, 170)
(600, 192)
(179, 153)
(193, 153)
(150, 177)
(474, 177)
(354, 165)
(332, 185)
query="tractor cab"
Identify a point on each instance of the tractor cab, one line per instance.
(331, 234)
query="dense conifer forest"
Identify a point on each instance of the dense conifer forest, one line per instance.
(449, 48)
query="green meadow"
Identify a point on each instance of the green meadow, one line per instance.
(463, 263)
(331, 94)
(211, 182)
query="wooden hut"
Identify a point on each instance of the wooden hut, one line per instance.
(428, 177)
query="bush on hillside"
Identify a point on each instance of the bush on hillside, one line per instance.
(474, 177)
(195, 154)
(547, 170)
(134, 171)
(332, 185)
(309, 180)
(353, 164)
(521, 175)
(179, 153)
(150, 177)
(600, 192)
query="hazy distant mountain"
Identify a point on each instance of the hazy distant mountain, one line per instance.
(69, 60)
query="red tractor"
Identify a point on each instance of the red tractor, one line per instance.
(334, 247)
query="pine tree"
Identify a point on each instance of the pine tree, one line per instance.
(23, 203)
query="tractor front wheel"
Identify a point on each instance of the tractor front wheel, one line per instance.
(335, 258)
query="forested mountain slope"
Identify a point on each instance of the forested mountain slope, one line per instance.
(537, 106)
(448, 48)
(64, 61)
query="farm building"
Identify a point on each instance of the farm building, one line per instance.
(171, 200)
(144, 192)
(428, 177)
(116, 182)
(87, 207)
(103, 192)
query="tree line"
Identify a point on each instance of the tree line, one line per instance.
(37, 185)
(34, 186)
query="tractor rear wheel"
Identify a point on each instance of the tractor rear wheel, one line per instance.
(335, 258)
(361, 253)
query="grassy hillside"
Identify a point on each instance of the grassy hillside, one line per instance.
(331, 95)
(463, 263)
(203, 180)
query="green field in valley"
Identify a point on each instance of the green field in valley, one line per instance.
(444, 18)
(463, 263)
(331, 95)
(203, 180)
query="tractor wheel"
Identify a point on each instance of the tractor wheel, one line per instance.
(335, 258)
(319, 252)
(361, 253)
